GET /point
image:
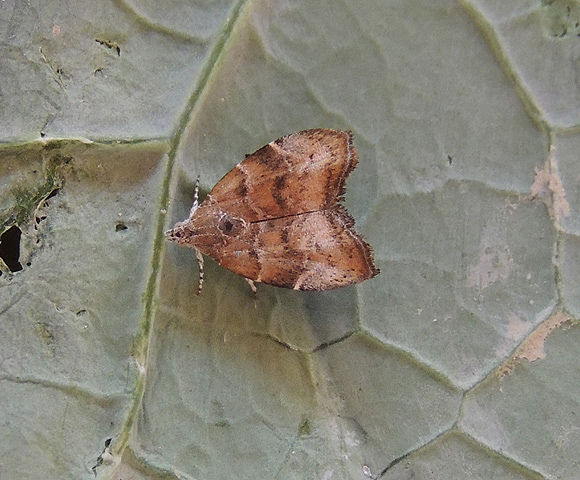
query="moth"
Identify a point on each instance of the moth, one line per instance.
(277, 217)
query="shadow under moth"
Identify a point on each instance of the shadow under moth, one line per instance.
(277, 217)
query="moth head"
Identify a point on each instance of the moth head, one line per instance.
(207, 226)
(181, 233)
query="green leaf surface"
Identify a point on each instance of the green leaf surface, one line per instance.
(460, 360)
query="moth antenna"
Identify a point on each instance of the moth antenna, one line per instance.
(195, 199)
(199, 257)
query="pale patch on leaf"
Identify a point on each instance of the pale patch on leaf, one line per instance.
(548, 188)
(532, 348)
(494, 261)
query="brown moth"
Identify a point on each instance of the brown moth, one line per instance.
(277, 216)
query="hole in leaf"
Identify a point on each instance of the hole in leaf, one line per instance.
(120, 227)
(10, 248)
(54, 193)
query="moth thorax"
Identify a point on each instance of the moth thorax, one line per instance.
(230, 226)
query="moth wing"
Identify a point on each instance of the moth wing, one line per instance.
(299, 173)
(313, 251)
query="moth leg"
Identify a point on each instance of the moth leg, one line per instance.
(252, 285)
(195, 198)
(199, 257)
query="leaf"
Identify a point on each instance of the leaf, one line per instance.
(458, 361)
